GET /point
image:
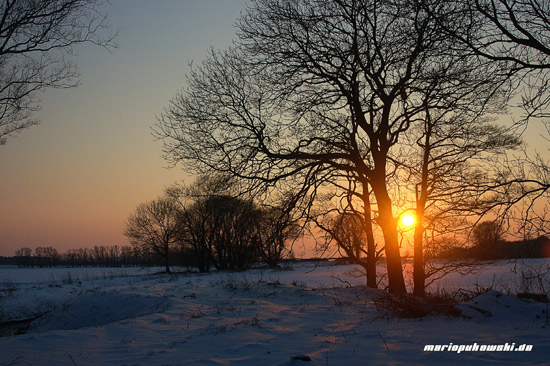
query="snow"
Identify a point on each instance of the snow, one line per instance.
(305, 315)
(14, 275)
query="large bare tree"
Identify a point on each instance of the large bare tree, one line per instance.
(278, 230)
(315, 90)
(36, 36)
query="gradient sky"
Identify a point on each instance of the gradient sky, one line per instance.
(73, 180)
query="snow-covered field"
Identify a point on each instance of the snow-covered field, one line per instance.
(305, 315)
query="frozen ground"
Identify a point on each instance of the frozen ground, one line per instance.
(260, 317)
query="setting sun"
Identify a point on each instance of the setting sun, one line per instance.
(407, 220)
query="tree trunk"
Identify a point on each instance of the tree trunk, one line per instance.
(396, 282)
(371, 248)
(419, 275)
(419, 272)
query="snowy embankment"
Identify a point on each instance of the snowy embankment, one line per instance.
(305, 315)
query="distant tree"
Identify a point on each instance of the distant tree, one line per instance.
(347, 229)
(347, 219)
(70, 257)
(40, 255)
(276, 228)
(84, 257)
(185, 256)
(236, 231)
(106, 256)
(98, 255)
(47, 256)
(54, 256)
(23, 257)
(195, 216)
(345, 214)
(231, 232)
(114, 255)
(223, 232)
(129, 256)
(199, 234)
(154, 227)
(486, 235)
(36, 36)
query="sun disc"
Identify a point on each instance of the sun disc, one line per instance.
(407, 220)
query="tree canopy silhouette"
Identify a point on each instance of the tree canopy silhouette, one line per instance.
(316, 93)
(36, 36)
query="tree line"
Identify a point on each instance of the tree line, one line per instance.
(202, 225)
(211, 228)
(97, 256)
(488, 243)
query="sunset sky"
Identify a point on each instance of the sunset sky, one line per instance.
(71, 181)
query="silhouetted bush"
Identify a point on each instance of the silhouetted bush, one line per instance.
(409, 306)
